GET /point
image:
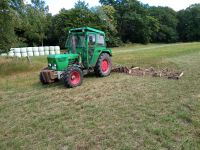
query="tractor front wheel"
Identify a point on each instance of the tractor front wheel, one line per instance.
(104, 65)
(73, 77)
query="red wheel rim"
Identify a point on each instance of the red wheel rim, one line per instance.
(75, 77)
(105, 65)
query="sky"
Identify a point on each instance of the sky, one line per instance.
(56, 5)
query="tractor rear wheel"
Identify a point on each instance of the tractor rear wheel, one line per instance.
(104, 65)
(73, 77)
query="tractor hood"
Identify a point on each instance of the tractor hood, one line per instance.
(60, 62)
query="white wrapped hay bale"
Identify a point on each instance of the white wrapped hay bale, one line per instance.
(35, 49)
(12, 50)
(29, 49)
(57, 52)
(24, 54)
(57, 48)
(30, 54)
(41, 49)
(51, 48)
(17, 50)
(11, 54)
(18, 55)
(4, 55)
(41, 53)
(36, 53)
(52, 53)
(23, 50)
(46, 53)
(46, 48)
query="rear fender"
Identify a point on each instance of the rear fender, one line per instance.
(97, 55)
(108, 51)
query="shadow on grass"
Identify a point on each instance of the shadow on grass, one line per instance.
(90, 75)
(60, 83)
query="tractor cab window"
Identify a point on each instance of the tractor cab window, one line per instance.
(100, 40)
(75, 41)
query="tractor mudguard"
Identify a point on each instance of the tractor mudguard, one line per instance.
(108, 51)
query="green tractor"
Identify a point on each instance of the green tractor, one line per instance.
(87, 52)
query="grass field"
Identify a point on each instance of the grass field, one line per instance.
(119, 112)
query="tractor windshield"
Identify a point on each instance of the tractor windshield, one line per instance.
(75, 41)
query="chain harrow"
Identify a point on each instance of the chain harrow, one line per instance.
(137, 71)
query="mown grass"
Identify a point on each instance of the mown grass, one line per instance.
(118, 112)
(154, 55)
(11, 66)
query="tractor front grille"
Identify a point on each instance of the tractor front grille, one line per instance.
(49, 76)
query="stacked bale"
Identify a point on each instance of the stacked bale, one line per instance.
(52, 50)
(46, 50)
(30, 51)
(11, 53)
(36, 51)
(23, 52)
(4, 55)
(57, 49)
(41, 51)
(17, 52)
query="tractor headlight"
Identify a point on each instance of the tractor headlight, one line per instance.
(49, 65)
(54, 67)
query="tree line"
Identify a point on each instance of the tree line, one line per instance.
(124, 21)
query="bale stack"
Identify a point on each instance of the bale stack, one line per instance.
(33, 51)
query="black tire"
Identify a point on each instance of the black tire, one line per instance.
(73, 72)
(42, 79)
(98, 68)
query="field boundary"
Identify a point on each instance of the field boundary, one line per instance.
(153, 47)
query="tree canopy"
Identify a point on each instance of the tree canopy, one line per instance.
(189, 23)
(123, 21)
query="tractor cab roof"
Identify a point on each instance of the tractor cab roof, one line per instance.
(86, 29)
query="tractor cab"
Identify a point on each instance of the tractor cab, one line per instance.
(86, 51)
(88, 43)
